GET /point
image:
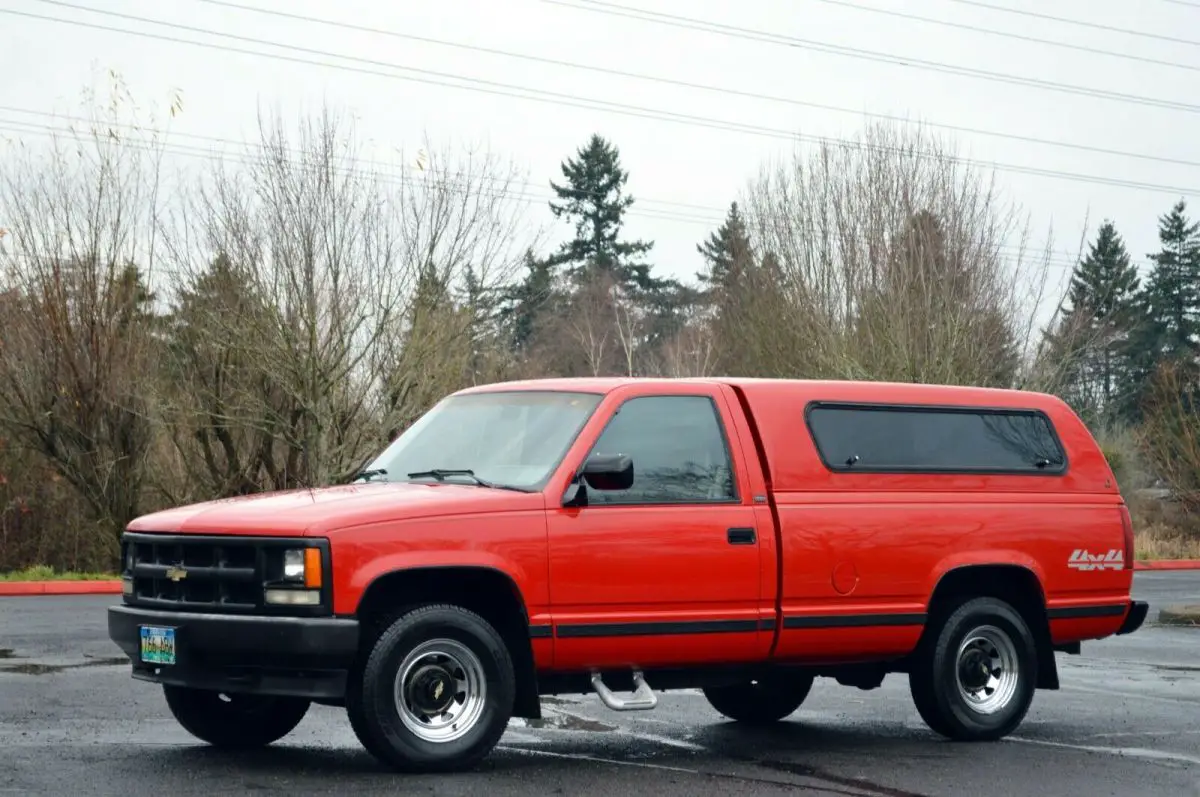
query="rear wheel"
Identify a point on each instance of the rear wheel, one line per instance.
(435, 693)
(233, 720)
(761, 701)
(974, 679)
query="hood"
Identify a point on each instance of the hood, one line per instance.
(318, 511)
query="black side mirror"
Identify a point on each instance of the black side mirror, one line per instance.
(608, 472)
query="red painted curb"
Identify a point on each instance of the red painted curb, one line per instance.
(1168, 564)
(22, 588)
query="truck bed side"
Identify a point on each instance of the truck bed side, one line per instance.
(862, 554)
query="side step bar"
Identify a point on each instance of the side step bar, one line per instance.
(643, 698)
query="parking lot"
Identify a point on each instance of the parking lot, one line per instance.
(72, 721)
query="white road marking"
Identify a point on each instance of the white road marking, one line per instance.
(1174, 701)
(1125, 752)
(1124, 734)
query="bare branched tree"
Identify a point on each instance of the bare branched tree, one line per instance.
(887, 258)
(78, 339)
(692, 352)
(629, 325)
(1170, 437)
(591, 324)
(339, 325)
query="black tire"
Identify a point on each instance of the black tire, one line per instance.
(940, 690)
(354, 710)
(763, 701)
(479, 654)
(233, 720)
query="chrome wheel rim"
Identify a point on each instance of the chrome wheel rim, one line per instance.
(986, 669)
(440, 690)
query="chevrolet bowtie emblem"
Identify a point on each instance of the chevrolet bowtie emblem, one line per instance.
(176, 574)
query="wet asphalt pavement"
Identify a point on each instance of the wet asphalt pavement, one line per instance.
(1127, 722)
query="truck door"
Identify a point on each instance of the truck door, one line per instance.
(669, 571)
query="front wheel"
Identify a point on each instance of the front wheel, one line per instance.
(974, 680)
(761, 701)
(233, 720)
(435, 693)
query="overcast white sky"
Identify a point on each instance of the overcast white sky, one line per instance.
(46, 63)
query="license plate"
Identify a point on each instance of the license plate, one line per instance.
(158, 645)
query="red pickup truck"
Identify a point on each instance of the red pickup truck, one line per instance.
(737, 536)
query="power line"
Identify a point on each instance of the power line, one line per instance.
(383, 165)
(1018, 36)
(385, 175)
(699, 86)
(1078, 22)
(1184, 3)
(562, 99)
(690, 23)
(1054, 257)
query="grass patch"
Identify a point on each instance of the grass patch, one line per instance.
(1164, 530)
(1158, 543)
(45, 573)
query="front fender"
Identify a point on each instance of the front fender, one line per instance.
(512, 546)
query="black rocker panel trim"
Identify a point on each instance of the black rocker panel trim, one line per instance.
(806, 621)
(669, 628)
(1080, 612)
(685, 627)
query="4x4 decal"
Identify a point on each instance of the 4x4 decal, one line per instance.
(1081, 559)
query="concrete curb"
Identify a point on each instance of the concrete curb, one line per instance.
(10, 589)
(22, 588)
(1186, 616)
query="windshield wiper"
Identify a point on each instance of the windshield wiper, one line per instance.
(441, 473)
(369, 474)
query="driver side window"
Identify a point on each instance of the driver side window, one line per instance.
(679, 452)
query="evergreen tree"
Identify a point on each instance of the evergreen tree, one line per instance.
(1096, 329)
(525, 305)
(1168, 330)
(727, 254)
(222, 401)
(594, 199)
(1173, 290)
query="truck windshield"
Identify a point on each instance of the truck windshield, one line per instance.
(512, 439)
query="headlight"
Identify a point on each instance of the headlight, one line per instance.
(293, 565)
(301, 568)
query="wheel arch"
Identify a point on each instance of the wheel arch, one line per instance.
(1013, 583)
(488, 591)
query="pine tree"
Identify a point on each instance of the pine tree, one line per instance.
(1173, 290)
(1097, 327)
(727, 255)
(1168, 330)
(593, 197)
(525, 305)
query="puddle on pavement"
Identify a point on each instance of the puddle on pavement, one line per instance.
(6, 653)
(569, 722)
(38, 668)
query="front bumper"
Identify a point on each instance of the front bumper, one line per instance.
(300, 656)
(1134, 618)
